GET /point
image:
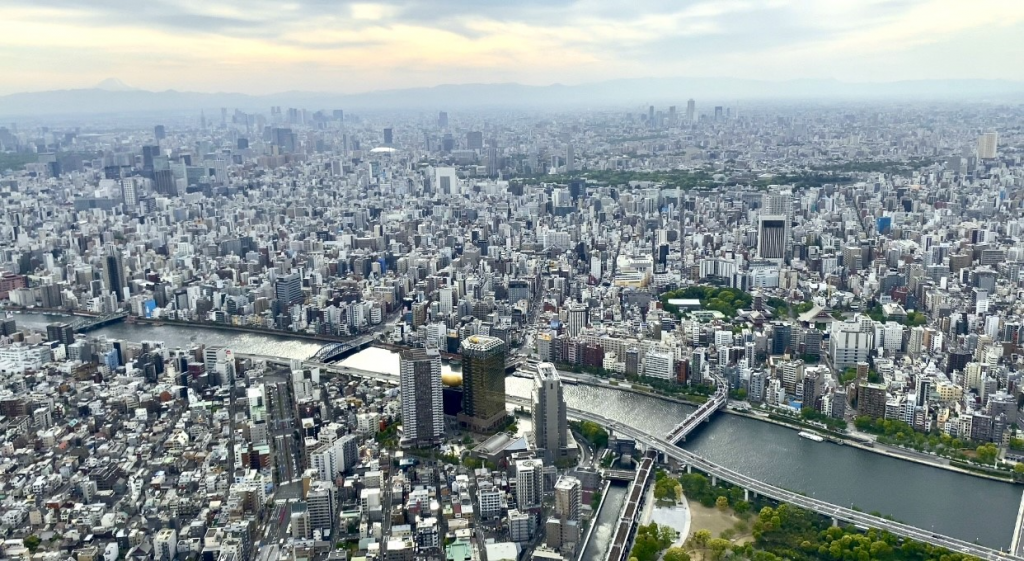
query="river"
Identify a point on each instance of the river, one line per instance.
(950, 503)
(606, 523)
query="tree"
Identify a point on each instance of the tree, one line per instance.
(722, 502)
(700, 539)
(676, 554)
(32, 542)
(987, 453)
(718, 547)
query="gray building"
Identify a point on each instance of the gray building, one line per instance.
(550, 426)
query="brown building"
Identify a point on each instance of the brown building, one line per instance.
(871, 400)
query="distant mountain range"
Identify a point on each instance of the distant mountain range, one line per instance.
(114, 96)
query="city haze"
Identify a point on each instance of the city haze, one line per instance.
(353, 47)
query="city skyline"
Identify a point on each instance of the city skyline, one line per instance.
(361, 47)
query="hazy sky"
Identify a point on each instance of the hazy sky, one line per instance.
(264, 46)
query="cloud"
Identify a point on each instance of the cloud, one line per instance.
(262, 46)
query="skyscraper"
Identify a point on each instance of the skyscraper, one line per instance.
(483, 382)
(549, 416)
(475, 140)
(113, 274)
(422, 406)
(771, 237)
(442, 120)
(492, 158)
(159, 132)
(987, 144)
(570, 158)
(389, 136)
(691, 110)
(129, 194)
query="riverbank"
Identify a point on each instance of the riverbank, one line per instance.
(881, 449)
(241, 328)
(51, 311)
(884, 450)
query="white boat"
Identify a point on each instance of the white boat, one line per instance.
(811, 436)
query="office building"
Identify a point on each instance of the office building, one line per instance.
(301, 527)
(483, 383)
(320, 503)
(474, 140)
(577, 319)
(660, 364)
(771, 237)
(691, 110)
(61, 332)
(422, 406)
(550, 425)
(288, 289)
(113, 274)
(851, 341)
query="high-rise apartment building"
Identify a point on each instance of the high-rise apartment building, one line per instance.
(871, 400)
(334, 456)
(987, 145)
(568, 496)
(550, 425)
(483, 383)
(529, 483)
(129, 193)
(422, 407)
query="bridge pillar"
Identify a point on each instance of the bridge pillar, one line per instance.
(746, 495)
(689, 468)
(714, 481)
(835, 522)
